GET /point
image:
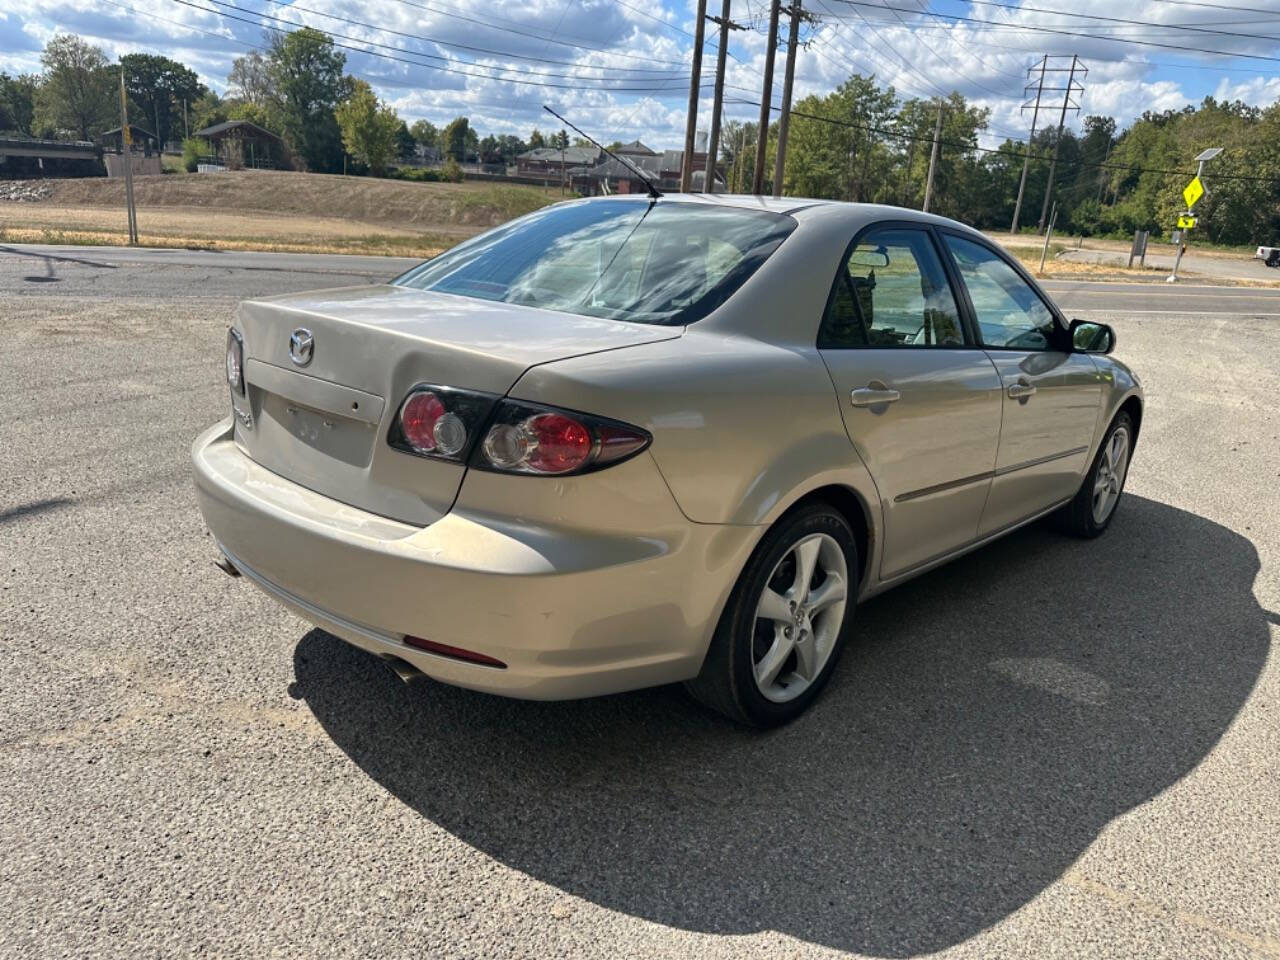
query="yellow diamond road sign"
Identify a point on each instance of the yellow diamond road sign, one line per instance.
(1193, 192)
(1186, 222)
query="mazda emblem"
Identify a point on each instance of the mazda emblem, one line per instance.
(301, 346)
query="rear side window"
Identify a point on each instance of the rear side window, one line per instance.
(665, 263)
(892, 292)
(1009, 313)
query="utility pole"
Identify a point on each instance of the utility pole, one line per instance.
(933, 159)
(1031, 140)
(784, 117)
(713, 143)
(126, 154)
(1057, 140)
(766, 97)
(695, 85)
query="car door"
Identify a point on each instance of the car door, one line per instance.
(919, 398)
(1051, 394)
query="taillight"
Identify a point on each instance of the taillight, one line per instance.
(235, 360)
(545, 441)
(440, 422)
(509, 436)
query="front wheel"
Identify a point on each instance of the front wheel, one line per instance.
(785, 624)
(1090, 511)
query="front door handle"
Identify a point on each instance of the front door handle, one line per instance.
(873, 394)
(1021, 390)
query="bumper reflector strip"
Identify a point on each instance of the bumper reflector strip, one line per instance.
(457, 653)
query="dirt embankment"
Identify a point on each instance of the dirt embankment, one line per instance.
(439, 207)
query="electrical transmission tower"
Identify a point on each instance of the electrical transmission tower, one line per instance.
(1071, 87)
(1048, 64)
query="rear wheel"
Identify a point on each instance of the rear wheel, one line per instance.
(1090, 511)
(786, 621)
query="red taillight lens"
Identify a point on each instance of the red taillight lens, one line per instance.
(529, 439)
(560, 443)
(418, 419)
(440, 422)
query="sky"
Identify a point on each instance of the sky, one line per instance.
(620, 68)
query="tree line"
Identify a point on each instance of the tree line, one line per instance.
(863, 142)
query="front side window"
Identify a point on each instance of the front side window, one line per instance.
(666, 262)
(1009, 313)
(892, 292)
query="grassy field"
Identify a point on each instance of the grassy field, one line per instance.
(267, 210)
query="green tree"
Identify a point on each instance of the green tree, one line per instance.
(78, 91)
(536, 140)
(368, 128)
(456, 138)
(404, 142)
(426, 134)
(18, 103)
(159, 86)
(305, 72)
(842, 155)
(250, 79)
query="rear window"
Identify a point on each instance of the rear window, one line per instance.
(665, 262)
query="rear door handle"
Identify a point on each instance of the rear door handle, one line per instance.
(1021, 390)
(871, 395)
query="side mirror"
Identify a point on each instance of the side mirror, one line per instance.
(1088, 336)
(876, 256)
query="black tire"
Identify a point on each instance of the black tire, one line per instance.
(727, 681)
(1077, 518)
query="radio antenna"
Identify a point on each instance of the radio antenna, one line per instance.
(654, 192)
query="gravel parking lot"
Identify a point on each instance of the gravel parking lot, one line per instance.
(1048, 748)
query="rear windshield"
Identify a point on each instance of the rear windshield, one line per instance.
(665, 262)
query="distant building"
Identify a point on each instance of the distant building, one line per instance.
(143, 141)
(241, 143)
(143, 156)
(662, 169)
(552, 161)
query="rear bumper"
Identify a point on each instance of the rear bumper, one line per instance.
(572, 613)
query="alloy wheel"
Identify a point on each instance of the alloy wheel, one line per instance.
(799, 616)
(1109, 481)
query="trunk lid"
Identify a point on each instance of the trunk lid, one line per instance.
(324, 424)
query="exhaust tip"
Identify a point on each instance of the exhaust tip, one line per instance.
(403, 669)
(226, 566)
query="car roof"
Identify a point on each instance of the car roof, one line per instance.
(803, 207)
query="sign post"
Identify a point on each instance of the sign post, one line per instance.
(1191, 193)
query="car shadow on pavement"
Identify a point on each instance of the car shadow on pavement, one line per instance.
(991, 719)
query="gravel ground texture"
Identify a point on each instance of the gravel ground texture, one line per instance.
(1049, 748)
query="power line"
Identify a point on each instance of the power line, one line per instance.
(447, 43)
(670, 26)
(334, 38)
(1190, 28)
(526, 33)
(1072, 33)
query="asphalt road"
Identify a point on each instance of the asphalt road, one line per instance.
(1049, 748)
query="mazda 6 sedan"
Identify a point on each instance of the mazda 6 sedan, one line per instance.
(627, 441)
